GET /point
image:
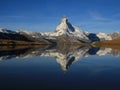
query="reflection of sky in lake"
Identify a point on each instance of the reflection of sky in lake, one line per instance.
(43, 72)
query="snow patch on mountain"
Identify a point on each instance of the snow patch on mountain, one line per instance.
(3, 30)
(24, 31)
(103, 36)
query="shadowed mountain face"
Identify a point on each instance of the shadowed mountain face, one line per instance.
(93, 37)
(65, 55)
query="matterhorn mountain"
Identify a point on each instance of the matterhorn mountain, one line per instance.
(69, 32)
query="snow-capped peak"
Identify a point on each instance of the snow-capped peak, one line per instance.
(66, 28)
(62, 27)
(3, 30)
(24, 31)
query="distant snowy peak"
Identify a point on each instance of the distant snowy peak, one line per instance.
(24, 32)
(103, 36)
(3, 30)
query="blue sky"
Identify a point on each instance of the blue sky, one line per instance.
(45, 15)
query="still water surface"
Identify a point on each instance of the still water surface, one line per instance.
(56, 68)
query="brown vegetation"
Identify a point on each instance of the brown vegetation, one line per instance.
(19, 47)
(16, 42)
(114, 44)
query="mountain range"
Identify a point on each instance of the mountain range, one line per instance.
(65, 33)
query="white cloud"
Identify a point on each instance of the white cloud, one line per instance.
(100, 26)
(94, 15)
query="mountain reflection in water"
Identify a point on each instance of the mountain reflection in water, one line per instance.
(65, 55)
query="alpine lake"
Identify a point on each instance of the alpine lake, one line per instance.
(63, 67)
